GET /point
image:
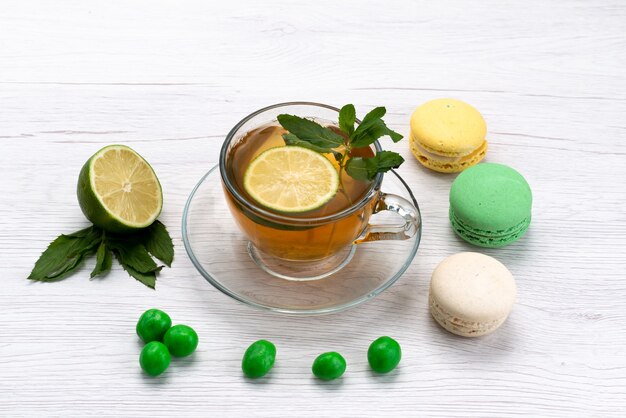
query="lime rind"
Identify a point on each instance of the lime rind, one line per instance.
(320, 200)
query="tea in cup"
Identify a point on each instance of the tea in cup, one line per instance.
(314, 243)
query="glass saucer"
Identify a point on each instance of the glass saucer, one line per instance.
(219, 251)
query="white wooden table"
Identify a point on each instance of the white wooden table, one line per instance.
(171, 78)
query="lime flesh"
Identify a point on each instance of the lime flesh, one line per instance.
(291, 179)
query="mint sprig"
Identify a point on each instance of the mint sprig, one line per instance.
(133, 251)
(310, 134)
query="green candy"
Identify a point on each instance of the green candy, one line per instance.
(152, 325)
(181, 340)
(384, 354)
(329, 366)
(154, 358)
(258, 359)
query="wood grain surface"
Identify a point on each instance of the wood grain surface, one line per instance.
(170, 78)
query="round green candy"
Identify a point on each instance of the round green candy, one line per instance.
(154, 358)
(384, 354)
(329, 366)
(181, 340)
(258, 359)
(152, 325)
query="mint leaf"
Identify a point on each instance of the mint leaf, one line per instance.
(83, 232)
(358, 169)
(375, 113)
(134, 255)
(135, 259)
(347, 117)
(315, 134)
(148, 279)
(104, 260)
(371, 129)
(158, 242)
(386, 160)
(65, 254)
(367, 168)
(291, 139)
(376, 130)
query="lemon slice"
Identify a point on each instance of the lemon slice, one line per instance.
(118, 190)
(291, 179)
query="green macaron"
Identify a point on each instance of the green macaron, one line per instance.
(490, 205)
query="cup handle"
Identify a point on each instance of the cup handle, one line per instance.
(404, 208)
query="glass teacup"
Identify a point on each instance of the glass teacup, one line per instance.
(315, 244)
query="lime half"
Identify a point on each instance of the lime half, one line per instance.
(118, 190)
(291, 179)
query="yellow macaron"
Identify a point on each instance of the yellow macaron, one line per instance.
(448, 135)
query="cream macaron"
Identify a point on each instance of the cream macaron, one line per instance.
(471, 294)
(448, 135)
